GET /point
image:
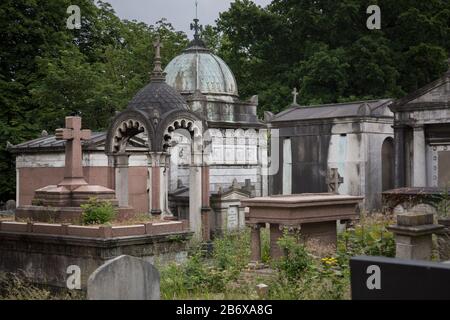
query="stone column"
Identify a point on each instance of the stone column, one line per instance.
(263, 162)
(206, 208)
(17, 188)
(195, 193)
(157, 166)
(287, 167)
(419, 158)
(166, 174)
(399, 162)
(255, 243)
(121, 178)
(276, 232)
(413, 235)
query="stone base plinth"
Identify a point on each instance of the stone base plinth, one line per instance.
(413, 235)
(61, 196)
(61, 204)
(62, 214)
(414, 248)
(49, 214)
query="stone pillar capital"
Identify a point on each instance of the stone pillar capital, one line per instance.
(158, 159)
(121, 160)
(399, 126)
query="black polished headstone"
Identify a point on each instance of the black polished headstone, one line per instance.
(380, 278)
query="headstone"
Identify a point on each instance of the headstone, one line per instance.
(10, 206)
(124, 278)
(232, 218)
(380, 278)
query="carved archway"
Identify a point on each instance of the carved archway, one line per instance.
(192, 126)
(124, 127)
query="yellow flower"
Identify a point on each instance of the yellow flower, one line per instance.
(329, 261)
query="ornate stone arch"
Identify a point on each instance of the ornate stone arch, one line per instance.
(125, 126)
(178, 120)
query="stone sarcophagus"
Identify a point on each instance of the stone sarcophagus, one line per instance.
(313, 215)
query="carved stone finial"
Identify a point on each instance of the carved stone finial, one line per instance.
(158, 72)
(197, 29)
(235, 184)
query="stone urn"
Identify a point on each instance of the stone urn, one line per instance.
(443, 238)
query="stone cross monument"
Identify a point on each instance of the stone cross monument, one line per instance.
(295, 93)
(333, 180)
(73, 174)
(62, 202)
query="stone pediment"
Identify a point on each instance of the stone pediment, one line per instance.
(235, 195)
(435, 95)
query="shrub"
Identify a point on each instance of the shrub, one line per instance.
(13, 287)
(368, 237)
(98, 212)
(295, 260)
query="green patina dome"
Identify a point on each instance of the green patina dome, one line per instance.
(198, 68)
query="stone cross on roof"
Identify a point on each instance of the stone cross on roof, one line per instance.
(295, 93)
(158, 72)
(197, 28)
(73, 174)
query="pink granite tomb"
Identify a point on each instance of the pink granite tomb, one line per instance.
(312, 216)
(61, 203)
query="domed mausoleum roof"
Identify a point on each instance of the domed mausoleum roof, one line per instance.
(198, 68)
(158, 95)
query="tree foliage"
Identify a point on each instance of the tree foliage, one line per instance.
(48, 72)
(323, 47)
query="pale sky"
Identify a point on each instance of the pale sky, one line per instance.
(178, 12)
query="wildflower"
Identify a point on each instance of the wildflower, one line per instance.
(329, 261)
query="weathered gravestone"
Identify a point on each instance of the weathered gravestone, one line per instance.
(124, 278)
(10, 206)
(380, 278)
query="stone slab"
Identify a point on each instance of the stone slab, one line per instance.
(414, 219)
